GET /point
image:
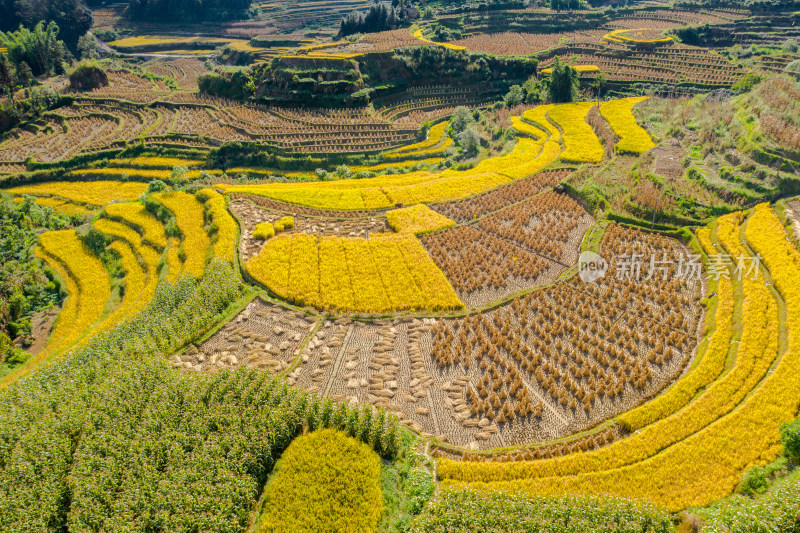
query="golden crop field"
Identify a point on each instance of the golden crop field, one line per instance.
(360, 266)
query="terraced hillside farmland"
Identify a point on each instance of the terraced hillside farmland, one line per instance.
(423, 267)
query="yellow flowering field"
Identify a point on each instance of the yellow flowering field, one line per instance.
(581, 145)
(135, 215)
(418, 35)
(435, 136)
(381, 192)
(58, 205)
(190, 217)
(174, 263)
(225, 245)
(632, 137)
(325, 481)
(417, 219)
(89, 280)
(527, 129)
(380, 274)
(85, 192)
(156, 162)
(141, 173)
(436, 143)
(539, 145)
(538, 117)
(619, 36)
(579, 68)
(140, 262)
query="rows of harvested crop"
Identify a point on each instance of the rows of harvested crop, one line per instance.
(737, 416)
(477, 206)
(526, 244)
(184, 71)
(667, 64)
(58, 140)
(264, 336)
(575, 348)
(252, 216)
(528, 157)
(474, 382)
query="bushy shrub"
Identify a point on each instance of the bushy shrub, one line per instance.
(758, 478)
(747, 83)
(790, 438)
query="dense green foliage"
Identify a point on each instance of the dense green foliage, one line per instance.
(407, 484)
(325, 481)
(38, 50)
(24, 286)
(790, 437)
(776, 511)
(467, 511)
(358, 81)
(237, 85)
(746, 84)
(563, 82)
(72, 17)
(111, 438)
(380, 17)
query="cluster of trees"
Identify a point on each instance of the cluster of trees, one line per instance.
(29, 53)
(558, 5)
(559, 87)
(462, 129)
(72, 18)
(187, 9)
(33, 53)
(380, 17)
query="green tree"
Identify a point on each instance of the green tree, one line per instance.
(746, 84)
(534, 90)
(462, 117)
(24, 74)
(563, 82)
(178, 172)
(39, 49)
(7, 80)
(87, 47)
(515, 96)
(469, 140)
(598, 84)
(790, 438)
